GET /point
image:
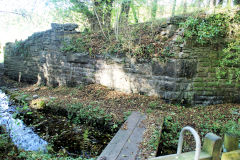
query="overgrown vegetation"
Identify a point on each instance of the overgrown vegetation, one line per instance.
(206, 30)
(90, 115)
(64, 134)
(229, 63)
(232, 127)
(218, 30)
(142, 41)
(216, 123)
(93, 99)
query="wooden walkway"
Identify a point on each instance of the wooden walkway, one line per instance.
(124, 145)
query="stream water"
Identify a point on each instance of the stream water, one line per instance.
(22, 136)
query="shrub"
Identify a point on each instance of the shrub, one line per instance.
(232, 127)
(206, 30)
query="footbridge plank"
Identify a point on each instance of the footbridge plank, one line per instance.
(124, 144)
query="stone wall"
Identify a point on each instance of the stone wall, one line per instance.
(188, 77)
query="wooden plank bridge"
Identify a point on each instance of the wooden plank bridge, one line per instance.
(125, 144)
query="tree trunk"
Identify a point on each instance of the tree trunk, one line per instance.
(184, 6)
(154, 9)
(124, 12)
(134, 12)
(174, 7)
(229, 3)
(107, 14)
(93, 21)
(212, 3)
(102, 15)
(220, 2)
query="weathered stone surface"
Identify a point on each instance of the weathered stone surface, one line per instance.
(83, 58)
(234, 155)
(231, 142)
(213, 145)
(187, 77)
(64, 27)
(164, 69)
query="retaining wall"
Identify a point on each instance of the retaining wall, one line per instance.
(187, 77)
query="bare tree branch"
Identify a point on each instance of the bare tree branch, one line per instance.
(16, 13)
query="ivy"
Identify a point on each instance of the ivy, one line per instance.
(207, 30)
(229, 65)
(75, 45)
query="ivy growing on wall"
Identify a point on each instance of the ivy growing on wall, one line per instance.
(208, 31)
(229, 65)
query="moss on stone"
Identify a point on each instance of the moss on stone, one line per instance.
(208, 93)
(231, 155)
(211, 70)
(212, 84)
(202, 69)
(38, 104)
(202, 74)
(205, 64)
(198, 88)
(198, 84)
(198, 79)
(208, 89)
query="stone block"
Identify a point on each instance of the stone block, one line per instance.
(144, 68)
(186, 68)
(44, 63)
(202, 74)
(64, 27)
(205, 64)
(198, 79)
(233, 155)
(164, 69)
(213, 145)
(230, 142)
(78, 58)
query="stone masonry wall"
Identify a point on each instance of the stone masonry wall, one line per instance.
(188, 77)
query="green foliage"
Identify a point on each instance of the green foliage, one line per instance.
(21, 48)
(46, 156)
(4, 140)
(86, 141)
(207, 30)
(126, 115)
(90, 115)
(170, 133)
(7, 148)
(232, 127)
(154, 141)
(229, 63)
(21, 99)
(75, 45)
(92, 13)
(153, 104)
